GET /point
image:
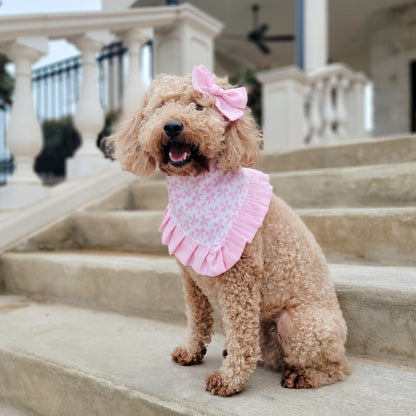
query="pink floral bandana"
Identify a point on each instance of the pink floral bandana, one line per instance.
(211, 217)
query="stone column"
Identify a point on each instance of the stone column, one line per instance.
(24, 136)
(133, 87)
(89, 115)
(315, 35)
(187, 42)
(284, 93)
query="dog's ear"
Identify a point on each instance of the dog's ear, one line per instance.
(125, 146)
(242, 145)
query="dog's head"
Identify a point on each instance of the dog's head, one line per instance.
(182, 130)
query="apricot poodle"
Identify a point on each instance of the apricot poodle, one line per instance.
(276, 298)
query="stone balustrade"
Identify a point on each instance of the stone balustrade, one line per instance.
(320, 106)
(183, 36)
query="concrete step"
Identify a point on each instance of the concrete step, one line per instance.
(356, 153)
(11, 411)
(62, 360)
(384, 235)
(362, 186)
(129, 231)
(379, 303)
(127, 283)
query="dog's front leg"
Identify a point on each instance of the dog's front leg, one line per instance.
(200, 321)
(240, 308)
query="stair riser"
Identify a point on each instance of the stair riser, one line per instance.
(360, 153)
(137, 232)
(385, 238)
(388, 186)
(155, 292)
(381, 322)
(48, 389)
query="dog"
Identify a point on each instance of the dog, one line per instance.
(269, 280)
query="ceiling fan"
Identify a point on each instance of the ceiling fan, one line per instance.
(258, 34)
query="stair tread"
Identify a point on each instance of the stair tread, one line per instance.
(132, 353)
(378, 169)
(371, 275)
(301, 211)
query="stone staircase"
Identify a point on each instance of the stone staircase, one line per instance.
(93, 306)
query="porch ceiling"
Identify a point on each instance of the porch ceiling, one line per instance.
(349, 28)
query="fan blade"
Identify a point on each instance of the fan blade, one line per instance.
(280, 38)
(263, 47)
(262, 30)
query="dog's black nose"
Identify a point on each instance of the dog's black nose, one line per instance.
(173, 128)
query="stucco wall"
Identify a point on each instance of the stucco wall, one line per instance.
(393, 48)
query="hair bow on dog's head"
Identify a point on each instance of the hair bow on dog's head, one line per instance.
(229, 102)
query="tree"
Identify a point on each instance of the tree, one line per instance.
(6, 83)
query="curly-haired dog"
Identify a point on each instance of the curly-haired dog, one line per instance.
(276, 299)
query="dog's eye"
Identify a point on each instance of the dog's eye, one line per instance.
(198, 107)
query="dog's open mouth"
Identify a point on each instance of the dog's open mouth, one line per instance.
(179, 154)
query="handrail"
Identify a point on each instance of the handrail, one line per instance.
(62, 25)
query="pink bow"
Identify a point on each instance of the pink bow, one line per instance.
(229, 102)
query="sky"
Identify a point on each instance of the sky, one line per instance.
(58, 49)
(9, 7)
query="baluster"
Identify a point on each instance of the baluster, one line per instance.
(134, 88)
(328, 111)
(315, 120)
(340, 108)
(24, 135)
(89, 115)
(355, 106)
(307, 115)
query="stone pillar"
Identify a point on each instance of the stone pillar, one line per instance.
(134, 88)
(24, 136)
(315, 35)
(284, 92)
(89, 115)
(187, 42)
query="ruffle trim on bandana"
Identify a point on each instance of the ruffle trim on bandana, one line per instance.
(243, 229)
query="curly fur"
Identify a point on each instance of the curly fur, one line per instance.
(277, 302)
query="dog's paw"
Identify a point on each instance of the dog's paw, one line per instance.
(295, 379)
(184, 357)
(222, 386)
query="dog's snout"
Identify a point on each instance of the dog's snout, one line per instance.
(173, 128)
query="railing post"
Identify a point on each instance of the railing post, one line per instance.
(89, 115)
(341, 116)
(24, 135)
(284, 97)
(355, 107)
(134, 88)
(328, 111)
(187, 42)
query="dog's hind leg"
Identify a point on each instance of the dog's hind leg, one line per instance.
(200, 322)
(313, 339)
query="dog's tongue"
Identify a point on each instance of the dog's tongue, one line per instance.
(179, 152)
